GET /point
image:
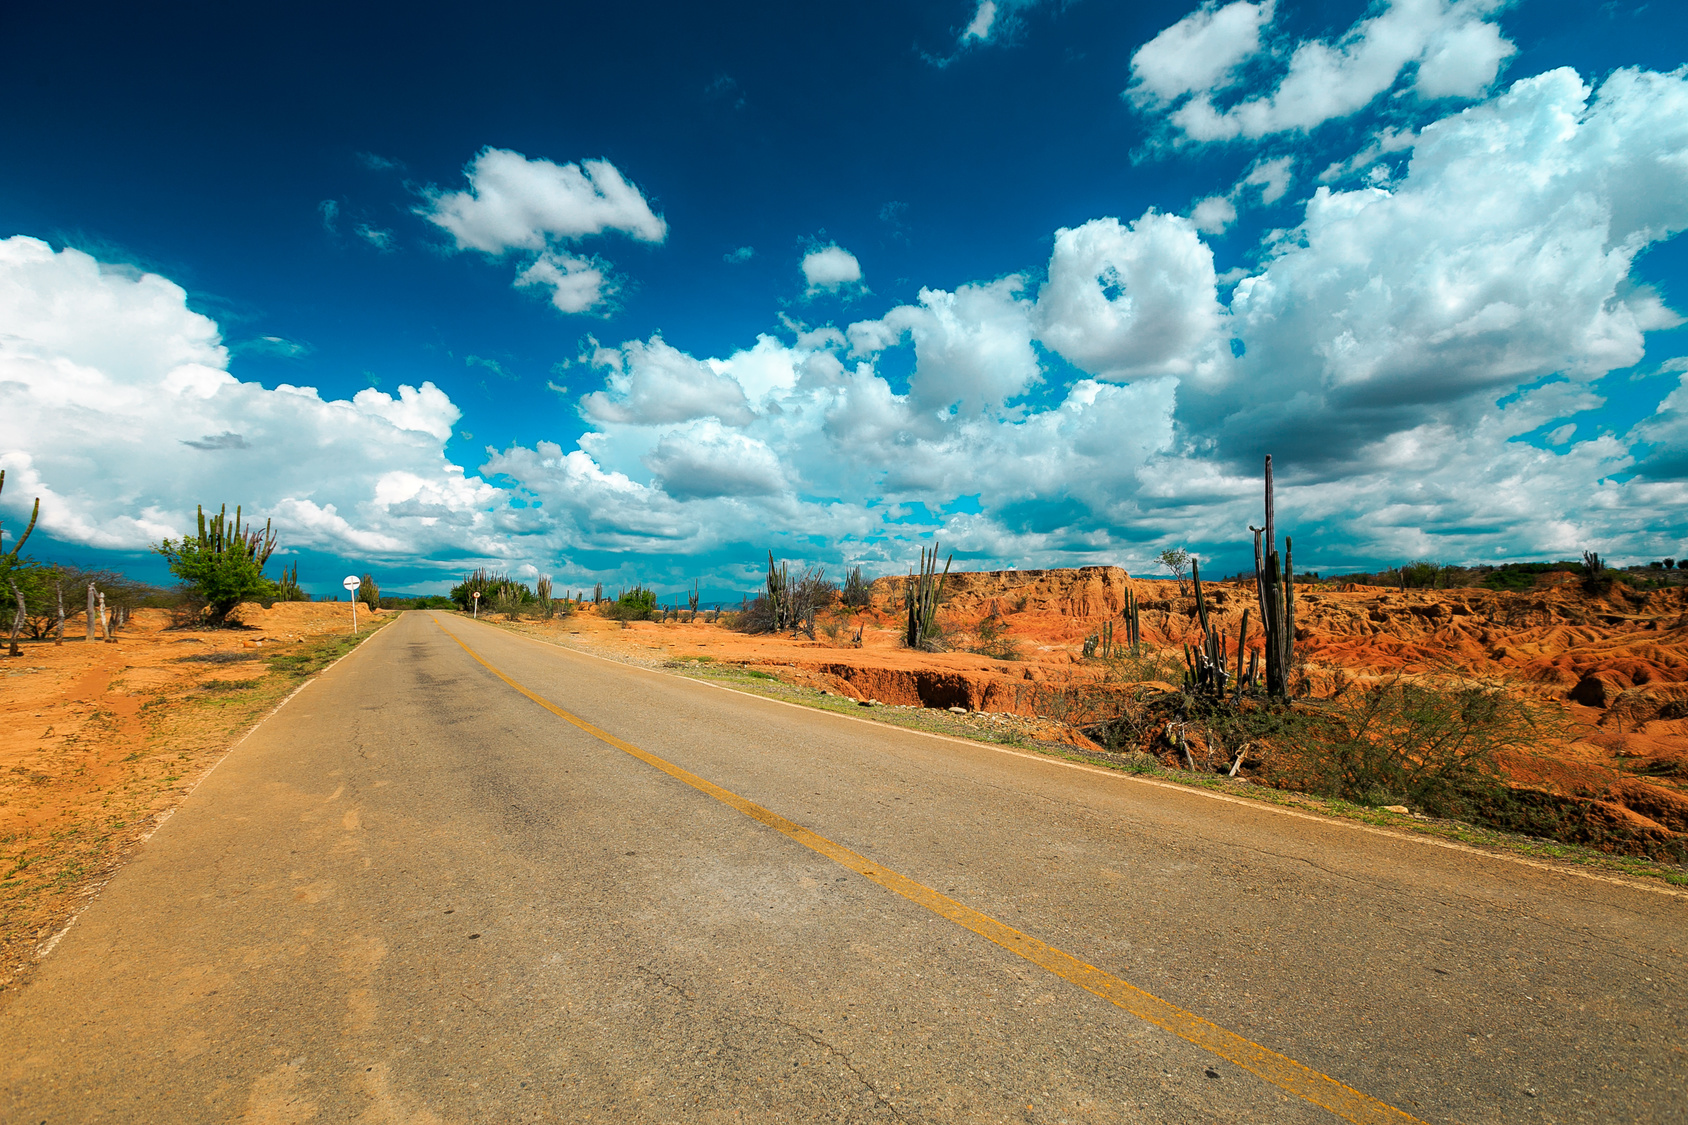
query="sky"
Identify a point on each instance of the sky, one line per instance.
(643, 294)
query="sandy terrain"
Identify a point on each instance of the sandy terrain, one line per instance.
(104, 739)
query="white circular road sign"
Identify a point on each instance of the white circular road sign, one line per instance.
(352, 582)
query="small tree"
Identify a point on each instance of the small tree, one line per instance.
(224, 563)
(369, 593)
(1177, 562)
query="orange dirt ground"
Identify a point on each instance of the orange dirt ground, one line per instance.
(1614, 667)
(103, 739)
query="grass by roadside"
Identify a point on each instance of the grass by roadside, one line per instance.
(91, 802)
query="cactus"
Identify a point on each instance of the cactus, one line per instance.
(779, 595)
(288, 588)
(9, 559)
(1274, 584)
(1205, 671)
(856, 594)
(920, 598)
(1133, 623)
(692, 597)
(542, 593)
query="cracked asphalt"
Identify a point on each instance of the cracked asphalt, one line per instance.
(414, 895)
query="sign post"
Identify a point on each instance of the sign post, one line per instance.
(476, 614)
(352, 583)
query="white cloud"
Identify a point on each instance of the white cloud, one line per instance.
(1385, 142)
(973, 347)
(576, 284)
(1213, 214)
(533, 207)
(1387, 307)
(740, 255)
(653, 383)
(831, 269)
(1198, 54)
(1448, 46)
(1270, 179)
(117, 409)
(705, 459)
(514, 203)
(1129, 301)
(984, 18)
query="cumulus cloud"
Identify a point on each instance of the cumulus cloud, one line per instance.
(117, 409)
(1419, 356)
(1388, 303)
(650, 383)
(514, 203)
(831, 269)
(1440, 48)
(576, 284)
(1129, 300)
(973, 347)
(1199, 54)
(707, 459)
(535, 207)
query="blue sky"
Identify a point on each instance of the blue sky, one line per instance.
(641, 294)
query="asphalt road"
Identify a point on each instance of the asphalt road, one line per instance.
(417, 895)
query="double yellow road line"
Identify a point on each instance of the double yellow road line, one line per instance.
(1280, 1070)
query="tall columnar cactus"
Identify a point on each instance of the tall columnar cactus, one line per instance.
(1274, 582)
(921, 596)
(1133, 625)
(9, 559)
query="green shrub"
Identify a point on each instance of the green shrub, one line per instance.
(637, 604)
(223, 564)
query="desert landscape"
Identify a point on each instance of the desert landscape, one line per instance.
(112, 736)
(1605, 676)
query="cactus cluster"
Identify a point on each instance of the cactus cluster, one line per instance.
(1206, 670)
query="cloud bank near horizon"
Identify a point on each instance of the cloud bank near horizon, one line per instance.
(1418, 350)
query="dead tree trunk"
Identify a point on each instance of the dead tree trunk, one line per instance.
(58, 637)
(90, 611)
(17, 620)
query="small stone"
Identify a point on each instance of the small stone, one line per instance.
(1402, 809)
(1211, 1073)
(958, 710)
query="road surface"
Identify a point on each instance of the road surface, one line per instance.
(468, 877)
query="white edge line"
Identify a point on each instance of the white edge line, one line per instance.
(52, 943)
(1194, 790)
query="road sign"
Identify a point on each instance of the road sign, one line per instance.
(352, 583)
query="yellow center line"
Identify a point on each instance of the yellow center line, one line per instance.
(1280, 1070)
